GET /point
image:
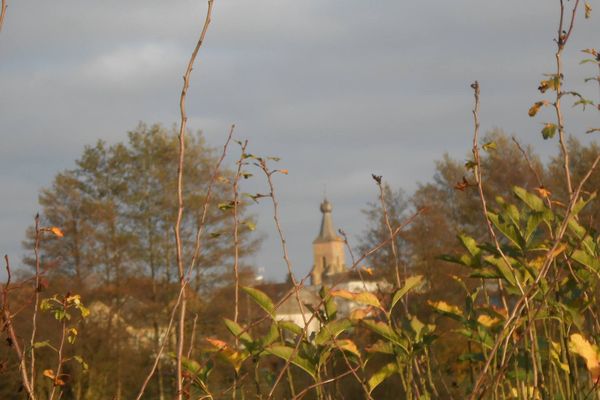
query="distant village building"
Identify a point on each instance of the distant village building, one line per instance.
(329, 269)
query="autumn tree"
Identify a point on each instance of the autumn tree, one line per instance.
(117, 209)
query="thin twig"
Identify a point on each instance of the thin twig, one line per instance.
(14, 341)
(3, 8)
(59, 356)
(366, 254)
(183, 279)
(36, 301)
(236, 222)
(533, 289)
(386, 219)
(180, 268)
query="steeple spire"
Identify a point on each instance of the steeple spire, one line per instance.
(327, 232)
(328, 248)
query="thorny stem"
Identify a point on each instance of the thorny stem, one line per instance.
(3, 7)
(180, 268)
(236, 222)
(199, 232)
(479, 182)
(236, 244)
(263, 166)
(14, 341)
(36, 301)
(347, 244)
(192, 337)
(60, 352)
(386, 218)
(561, 41)
(202, 222)
(183, 277)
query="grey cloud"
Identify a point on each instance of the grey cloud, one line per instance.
(338, 89)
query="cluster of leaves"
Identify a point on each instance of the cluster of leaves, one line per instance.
(397, 346)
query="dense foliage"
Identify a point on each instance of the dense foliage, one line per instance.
(488, 277)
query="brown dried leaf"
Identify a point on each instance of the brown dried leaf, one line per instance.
(536, 107)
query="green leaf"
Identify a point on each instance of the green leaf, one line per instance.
(470, 244)
(531, 200)
(410, 283)
(261, 299)
(386, 332)
(226, 206)
(83, 364)
(332, 330)
(361, 297)
(505, 270)
(330, 306)
(271, 336)
(581, 203)
(287, 353)
(489, 146)
(385, 372)
(237, 331)
(290, 327)
(45, 343)
(508, 229)
(548, 131)
(586, 259)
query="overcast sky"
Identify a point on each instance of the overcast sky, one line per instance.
(339, 89)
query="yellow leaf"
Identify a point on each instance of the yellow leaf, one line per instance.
(488, 321)
(559, 249)
(588, 9)
(57, 232)
(284, 171)
(589, 352)
(360, 314)
(445, 307)
(348, 345)
(360, 297)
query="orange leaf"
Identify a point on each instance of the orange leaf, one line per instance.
(543, 192)
(48, 373)
(57, 232)
(368, 270)
(218, 344)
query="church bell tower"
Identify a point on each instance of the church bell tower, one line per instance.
(328, 249)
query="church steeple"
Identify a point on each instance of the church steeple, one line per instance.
(328, 248)
(327, 232)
